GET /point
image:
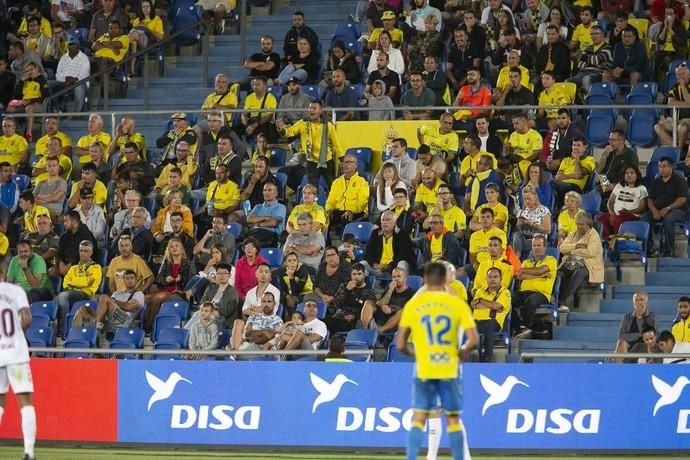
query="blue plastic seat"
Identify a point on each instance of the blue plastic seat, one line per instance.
(350, 346)
(48, 309)
(175, 307)
(366, 336)
(665, 151)
(22, 181)
(40, 336)
(363, 155)
(358, 90)
(347, 29)
(609, 89)
(274, 256)
(130, 336)
(360, 230)
(315, 92)
(162, 322)
(167, 346)
(598, 128)
(235, 229)
(174, 335)
(641, 129)
(638, 228)
(277, 158)
(224, 336)
(396, 356)
(277, 91)
(85, 334)
(591, 202)
(414, 282)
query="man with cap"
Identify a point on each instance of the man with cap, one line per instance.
(293, 99)
(72, 67)
(181, 131)
(388, 20)
(92, 216)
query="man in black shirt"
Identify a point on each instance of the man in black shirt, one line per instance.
(559, 142)
(142, 176)
(254, 182)
(7, 82)
(68, 250)
(463, 56)
(514, 94)
(299, 30)
(388, 76)
(386, 314)
(330, 275)
(667, 203)
(266, 64)
(348, 303)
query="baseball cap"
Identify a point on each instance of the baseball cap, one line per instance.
(86, 192)
(72, 40)
(293, 80)
(179, 116)
(388, 14)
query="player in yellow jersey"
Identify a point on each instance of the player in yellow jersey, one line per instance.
(437, 321)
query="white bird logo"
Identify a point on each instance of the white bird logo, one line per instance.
(163, 390)
(498, 393)
(668, 394)
(327, 391)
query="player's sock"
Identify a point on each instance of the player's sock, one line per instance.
(435, 431)
(456, 441)
(29, 429)
(414, 440)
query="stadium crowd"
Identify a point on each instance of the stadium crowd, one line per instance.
(283, 254)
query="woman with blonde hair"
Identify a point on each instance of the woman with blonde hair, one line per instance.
(568, 216)
(174, 274)
(172, 203)
(388, 182)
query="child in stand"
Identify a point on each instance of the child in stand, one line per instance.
(29, 95)
(204, 334)
(286, 331)
(347, 249)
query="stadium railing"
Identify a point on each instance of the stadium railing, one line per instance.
(527, 357)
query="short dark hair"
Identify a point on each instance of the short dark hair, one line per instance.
(516, 70)
(24, 243)
(580, 139)
(253, 241)
(666, 160)
(683, 299)
(647, 329)
(337, 344)
(348, 238)
(5, 164)
(401, 140)
(496, 238)
(263, 159)
(474, 140)
(298, 13)
(488, 210)
(423, 149)
(115, 21)
(475, 69)
(74, 215)
(331, 248)
(176, 214)
(665, 336)
(129, 271)
(563, 111)
(131, 145)
(227, 137)
(89, 167)
(263, 264)
(435, 273)
(358, 267)
(223, 266)
(28, 195)
(396, 191)
(175, 170)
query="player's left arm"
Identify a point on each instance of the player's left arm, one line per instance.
(25, 317)
(401, 341)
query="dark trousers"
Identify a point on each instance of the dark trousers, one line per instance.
(488, 328)
(669, 220)
(571, 282)
(561, 188)
(524, 305)
(39, 295)
(336, 325)
(314, 173)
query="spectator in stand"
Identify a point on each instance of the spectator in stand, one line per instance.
(405, 165)
(515, 93)
(374, 12)
(436, 80)
(66, 11)
(648, 345)
(583, 260)
(568, 215)
(7, 83)
(425, 158)
(509, 42)
(348, 199)
(13, 147)
(475, 195)
(110, 48)
(395, 34)
(479, 242)
(537, 277)
(627, 202)
(309, 334)
(29, 97)
(72, 67)
(293, 99)
(681, 328)
(489, 17)
(386, 313)
(267, 219)
(395, 62)
(68, 251)
(176, 230)
(573, 172)
(667, 203)
(299, 30)
(417, 96)
(122, 307)
(629, 59)
(173, 275)
(490, 142)
(45, 241)
(254, 182)
(9, 190)
(679, 95)
(550, 96)
(181, 131)
(581, 37)
(302, 66)
(441, 139)
(95, 134)
(401, 208)
(265, 64)
(51, 191)
(28, 271)
(345, 309)
(92, 216)
(388, 248)
(473, 94)
(260, 328)
(142, 175)
(294, 281)
(223, 296)
(512, 62)
(20, 57)
(534, 218)
(217, 234)
(122, 220)
(386, 184)
(426, 42)
(454, 218)
(529, 20)
(245, 269)
(64, 170)
(51, 128)
(89, 179)
(252, 302)
(464, 55)
(524, 144)
(341, 96)
(125, 132)
(224, 97)
(383, 73)
(147, 29)
(184, 168)
(490, 307)
(559, 141)
(536, 178)
(419, 13)
(492, 194)
(140, 236)
(306, 243)
(440, 243)
(172, 204)
(309, 206)
(340, 57)
(203, 336)
(615, 158)
(101, 19)
(596, 59)
(80, 283)
(553, 55)
(671, 43)
(379, 100)
(634, 322)
(330, 275)
(128, 260)
(27, 203)
(426, 194)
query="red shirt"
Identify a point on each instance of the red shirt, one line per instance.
(245, 275)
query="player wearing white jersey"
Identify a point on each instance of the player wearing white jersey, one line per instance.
(15, 317)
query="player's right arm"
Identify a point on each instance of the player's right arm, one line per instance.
(25, 317)
(470, 343)
(401, 341)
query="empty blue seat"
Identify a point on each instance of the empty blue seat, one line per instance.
(40, 320)
(367, 336)
(274, 256)
(591, 202)
(607, 89)
(85, 334)
(277, 158)
(351, 346)
(235, 229)
(175, 307)
(224, 336)
(414, 282)
(598, 128)
(167, 346)
(665, 151)
(129, 336)
(641, 128)
(347, 29)
(396, 356)
(40, 336)
(360, 230)
(48, 309)
(277, 91)
(174, 335)
(162, 322)
(22, 181)
(315, 92)
(358, 90)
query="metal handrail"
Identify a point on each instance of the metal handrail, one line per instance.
(151, 351)
(603, 354)
(113, 66)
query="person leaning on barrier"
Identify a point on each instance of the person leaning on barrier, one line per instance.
(633, 323)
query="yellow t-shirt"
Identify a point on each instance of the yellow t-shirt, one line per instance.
(681, 331)
(154, 24)
(504, 78)
(428, 197)
(100, 193)
(230, 98)
(252, 103)
(454, 219)
(138, 139)
(222, 195)
(65, 165)
(568, 167)
(84, 278)
(315, 211)
(566, 223)
(439, 142)
(12, 148)
(554, 98)
(502, 264)
(484, 314)
(114, 55)
(387, 253)
(500, 213)
(436, 247)
(582, 36)
(396, 35)
(118, 266)
(524, 146)
(469, 163)
(437, 321)
(85, 142)
(459, 289)
(30, 225)
(42, 143)
(541, 285)
(479, 242)
(45, 28)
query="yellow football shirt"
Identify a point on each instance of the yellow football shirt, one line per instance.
(42, 143)
(553, 98)
(566, 223)
(582, 36)
(387, 253)
(30, 224)
(541, 285)
(568, 167)
(436, 247)
(65, 165)
(484, 314)
(500, 213)
(222, 195)
(85, 142)
(112, 54)
(437, 321)
(502, 264)
(454, 219)
(12, 148)
(681, 331)
(504, 80)
(479, 242)
(524, 146)
(315, 210)
(100, 193)
(428, 196)
(439, 142)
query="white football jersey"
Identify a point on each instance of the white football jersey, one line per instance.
(13, 347)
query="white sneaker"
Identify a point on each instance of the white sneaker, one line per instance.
(563, 309)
